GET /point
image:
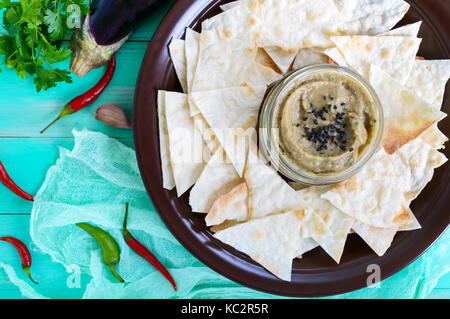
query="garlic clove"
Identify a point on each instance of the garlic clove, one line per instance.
(112, 115)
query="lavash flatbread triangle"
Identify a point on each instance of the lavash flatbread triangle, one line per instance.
(410, 30)
(406, 116)
(232, 113)
(258, 74)
(186, 143)
(240, 21)
(229, 5)
(191, 55)
(268, 193)
(368, 16)
(292, 25)
(207, 133)
(417, 161)
(308, 56)
(394, 55)
(192, 39)
(283, 59)
(222, 63)
(272, 241)
(178, 56)
(434, 137)
(177, 50)
(324, 223)
(379, 239)
(374, 196)
(306, 244)
(428, 79)
(217, 179)
(263, 58)
(164, 145)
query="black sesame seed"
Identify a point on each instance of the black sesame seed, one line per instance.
(324, 97)
(335, 107)
(315, 122)
(298, 124)
(342, 104)
(305, 118)
(351, 150)
(342, 148)
(331, 98)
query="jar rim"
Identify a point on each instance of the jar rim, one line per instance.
(270, 147)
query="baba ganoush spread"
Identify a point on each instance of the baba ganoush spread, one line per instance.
(325, 122)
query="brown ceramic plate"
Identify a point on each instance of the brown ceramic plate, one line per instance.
(316, 274)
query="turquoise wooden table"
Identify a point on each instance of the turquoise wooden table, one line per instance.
(27, 155)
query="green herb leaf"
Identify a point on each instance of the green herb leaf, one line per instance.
(32, 43)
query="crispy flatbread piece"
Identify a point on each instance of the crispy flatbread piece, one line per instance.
(272, 241)
(406, 116)
(186, 143)
(217, 179)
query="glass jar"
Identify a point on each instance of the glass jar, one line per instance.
(269, 136)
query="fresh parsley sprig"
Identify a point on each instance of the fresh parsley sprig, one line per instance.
(33, 40)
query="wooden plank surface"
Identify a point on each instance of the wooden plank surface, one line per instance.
(28, 155)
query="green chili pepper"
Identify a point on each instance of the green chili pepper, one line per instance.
(109, 247)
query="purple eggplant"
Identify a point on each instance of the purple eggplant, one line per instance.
(104, 30)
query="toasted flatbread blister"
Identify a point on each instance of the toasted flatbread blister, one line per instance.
(232, 206)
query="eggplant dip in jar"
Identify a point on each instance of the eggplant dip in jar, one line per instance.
(325, 120)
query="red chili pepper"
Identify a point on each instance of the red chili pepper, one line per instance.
(142, 251)
(8, 182)
(90, 96)
(24, 254)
